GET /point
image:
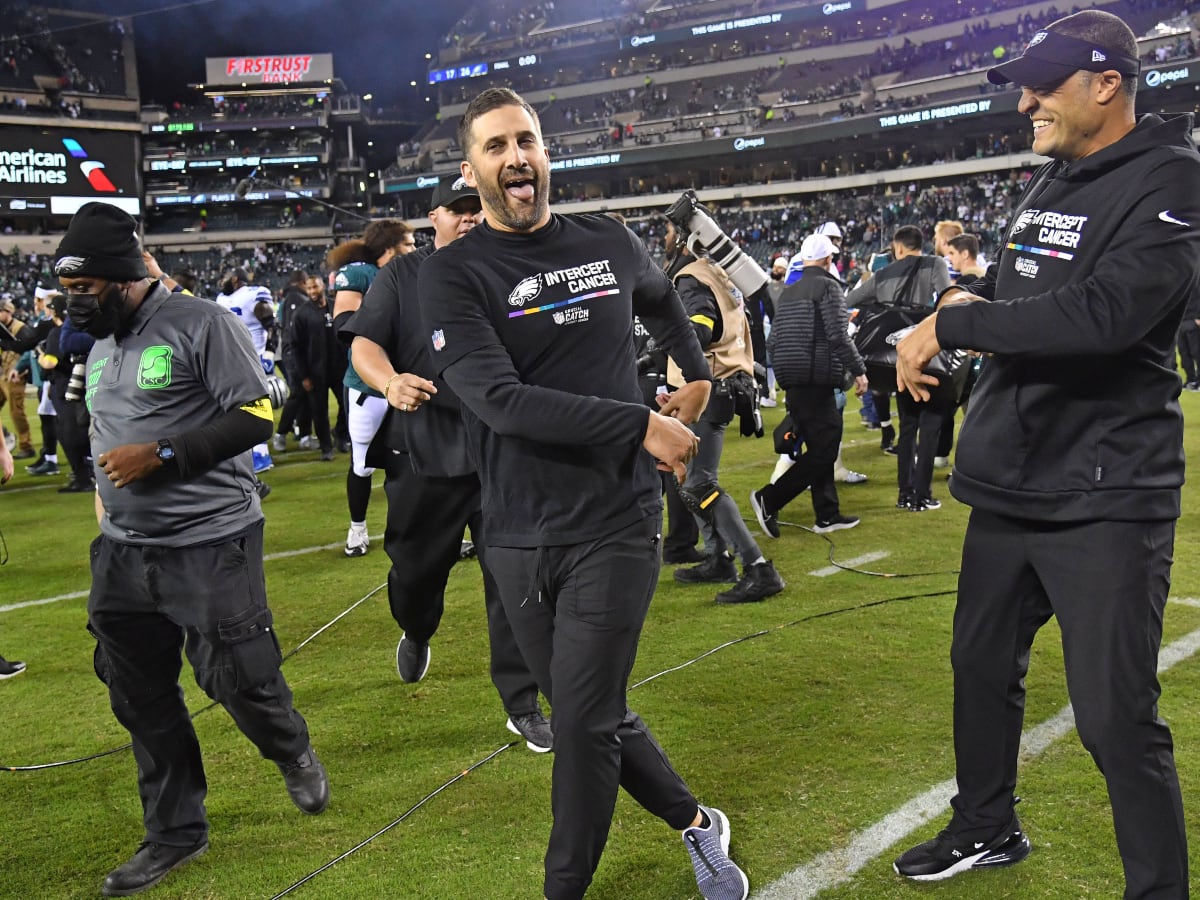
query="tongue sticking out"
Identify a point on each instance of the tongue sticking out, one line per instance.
(523, 191)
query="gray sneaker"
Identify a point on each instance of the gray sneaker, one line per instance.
(412, 660)
(717, 876)
(535, 728)
(279, 443)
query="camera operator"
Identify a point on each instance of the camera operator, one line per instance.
(714, 305)
(64, 360)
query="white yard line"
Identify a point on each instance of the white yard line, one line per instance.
(838, 866)
(873, 556)
(283, 554)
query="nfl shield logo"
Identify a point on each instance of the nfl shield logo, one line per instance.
(439, 340)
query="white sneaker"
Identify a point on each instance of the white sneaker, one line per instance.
(307, 443)
(357, 541)
(279, 443)
(768, 402)
(941, 462)
(849, 476)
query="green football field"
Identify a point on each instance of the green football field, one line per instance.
(819, 721)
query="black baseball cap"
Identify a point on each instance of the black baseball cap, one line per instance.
(1051, 57)
(451, 188)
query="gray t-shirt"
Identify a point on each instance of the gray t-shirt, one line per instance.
(184, 363)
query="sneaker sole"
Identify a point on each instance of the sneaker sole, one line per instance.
(355, 551)
(536, 748)
(825, 529)
(4, 675)
(200, 851)
(988, 859)
(732, 579)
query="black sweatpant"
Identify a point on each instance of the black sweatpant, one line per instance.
(1189, 350)
(426, 518)
(921, 425)
(73, 421)
(577, 612)
(147, 603)
(1107, 583)
(818, 421)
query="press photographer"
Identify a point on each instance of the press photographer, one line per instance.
(712, 293)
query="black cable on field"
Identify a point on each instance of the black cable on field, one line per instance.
(386, 828)
(82, 759)
(858, 571)
(809, 618)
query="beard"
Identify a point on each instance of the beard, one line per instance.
(504, 210)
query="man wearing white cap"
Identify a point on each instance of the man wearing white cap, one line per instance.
(811, 350)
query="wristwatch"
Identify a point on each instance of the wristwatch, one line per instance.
(165, 451)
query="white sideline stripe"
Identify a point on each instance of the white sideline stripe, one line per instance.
(283, 554)
(873, 556)
(43, 602)
(839, 866)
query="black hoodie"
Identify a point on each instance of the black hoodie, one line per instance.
(1076, 415)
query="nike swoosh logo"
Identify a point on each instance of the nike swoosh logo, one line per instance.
(1166, 216)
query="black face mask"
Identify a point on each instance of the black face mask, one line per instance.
(100, 315)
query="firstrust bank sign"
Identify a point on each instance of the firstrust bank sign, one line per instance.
(282, 69)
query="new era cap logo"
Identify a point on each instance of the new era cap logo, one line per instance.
(1037, 39)
(459, 184)
(1097, 56)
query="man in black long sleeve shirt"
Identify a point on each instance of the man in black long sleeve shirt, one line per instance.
(531, 322)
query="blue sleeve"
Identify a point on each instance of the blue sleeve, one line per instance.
(72, 340)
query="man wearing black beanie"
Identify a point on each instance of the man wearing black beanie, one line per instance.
(177, 398)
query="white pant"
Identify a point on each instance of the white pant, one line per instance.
(364, 415)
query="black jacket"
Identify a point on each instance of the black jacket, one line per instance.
(809, 345)
(1076, 417)
(310, 343)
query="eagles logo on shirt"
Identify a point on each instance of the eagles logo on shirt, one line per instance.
(525, 291)
(341, 281)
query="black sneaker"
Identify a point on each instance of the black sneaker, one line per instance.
(10, 669)
(714, 569)
(887, 436)
(43, 467)
(837, 523)
(921, 504)
(77, 487)
(412, 660)
(146, 868)
(948, 854)
(535, 728)
(905, 500)
(262, 489)
(307, 782)
(467, 550)
(759, 582)
(683, 556)
(768, 519)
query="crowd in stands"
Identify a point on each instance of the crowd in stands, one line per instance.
(981, 202)
(83, 59)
